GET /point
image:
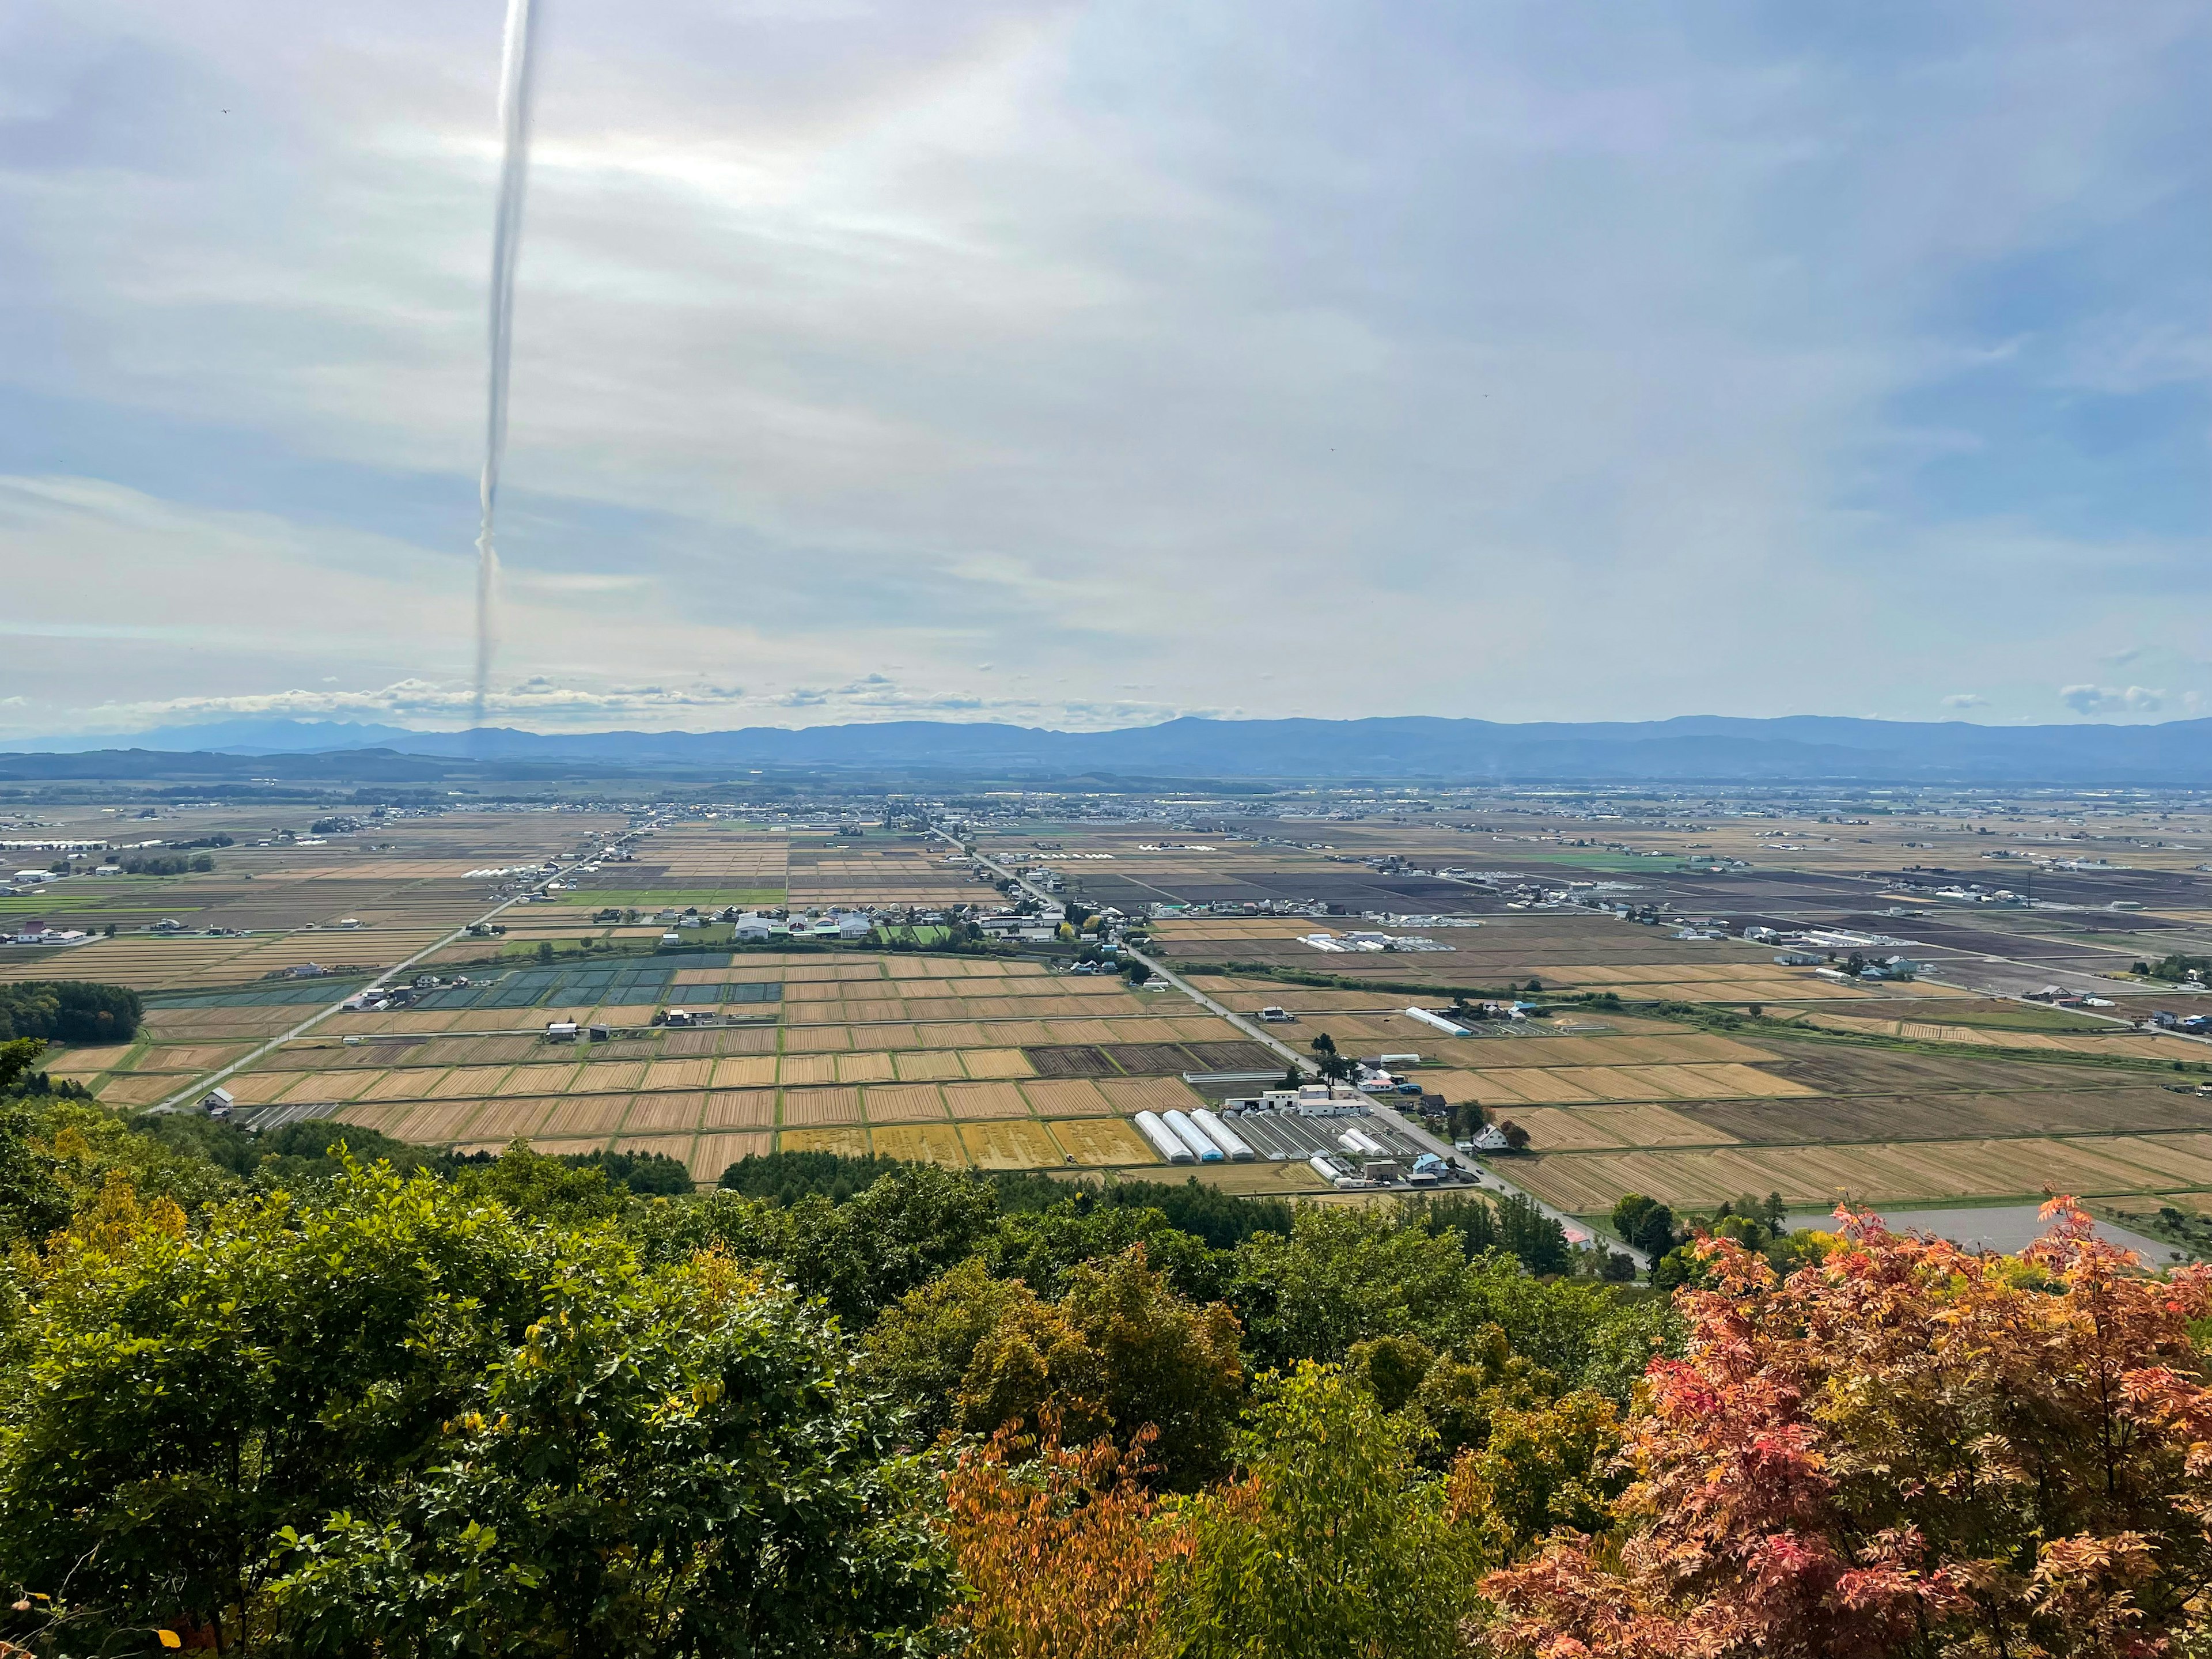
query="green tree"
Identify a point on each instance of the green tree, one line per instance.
(1537, 1239)
(1457, 1398)
(859, 1255)
(1044, 1248)
(1391, 1368)
(1167, 1363)
(1121, 1352)
(666, 1465)
(183, 1399)
(1543, 1468)
(33, 1199)
(1344, 1276)
(407, 1418)
(1645, 1224)
(1335, 1545)
(921, 1350)
(69, 1010)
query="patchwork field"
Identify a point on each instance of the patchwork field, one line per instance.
(990, 1063)
(1935, 1089)
(1590, 1182)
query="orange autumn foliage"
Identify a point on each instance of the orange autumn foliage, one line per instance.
(1903, 1450)
(1063, 1547)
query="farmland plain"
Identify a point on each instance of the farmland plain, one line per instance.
(1662, 1053)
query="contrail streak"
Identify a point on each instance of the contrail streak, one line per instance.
(506, 244)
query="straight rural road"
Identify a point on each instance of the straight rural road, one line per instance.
(201, 1085)
(1487, 1174)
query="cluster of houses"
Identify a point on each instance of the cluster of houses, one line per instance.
(2165, 1020)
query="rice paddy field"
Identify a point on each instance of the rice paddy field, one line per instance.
(1559, 952)
(982, 1063)
(1944, 1090)
(721, 863)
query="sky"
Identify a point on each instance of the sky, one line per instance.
(1089, 365)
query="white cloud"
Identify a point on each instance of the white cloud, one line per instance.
(1966, 699)
(1133, 345)
(2106, 700)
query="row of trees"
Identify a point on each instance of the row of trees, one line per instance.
(261, 1398)
(166, 864)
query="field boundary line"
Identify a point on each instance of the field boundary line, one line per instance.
(209, 1080)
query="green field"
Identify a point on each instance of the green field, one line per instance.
(116, 900)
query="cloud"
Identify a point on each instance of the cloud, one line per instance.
(577, 581)
(1966, 699)
(1134, 345)
(2105, 699)
(538, 699)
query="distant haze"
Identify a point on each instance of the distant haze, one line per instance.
(1689, 750)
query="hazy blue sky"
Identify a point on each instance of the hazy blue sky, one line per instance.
(1086, 364)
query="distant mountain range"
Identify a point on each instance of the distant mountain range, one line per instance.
(1797, 748)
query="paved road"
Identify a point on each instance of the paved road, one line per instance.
(1487, 1175)
(202, 1084)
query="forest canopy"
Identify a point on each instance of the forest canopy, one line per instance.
(316, 1392)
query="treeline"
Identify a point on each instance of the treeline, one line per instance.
(2177, 967)
(165, 864)
(265, 1394)
(69, 1010)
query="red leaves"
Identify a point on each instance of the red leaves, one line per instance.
(1904, 1440)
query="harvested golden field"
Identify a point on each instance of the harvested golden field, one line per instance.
(982, 1100)
(846, 1143)
(806, 1108)
(997, 1063)
(500, 1121)
(913, 1103)
(937, 1144)
(1066, 1097)
(807, 1070)
(928, 1066)
(2115, 1044)
(579, 1115)
(875, 1067)
(1558, 1129)
(1010, 1143)
(125, 1089)
(1103, 1142)
(665, 1114)
(1130, 1096)
(1587, 1183)
(1568, 1085)
(746, 1109)
(432, 1123)
(678, 1074)
(82, 1063)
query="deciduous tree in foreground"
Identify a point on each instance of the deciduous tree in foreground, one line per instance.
(1903, 1450)
(1061, 1548)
